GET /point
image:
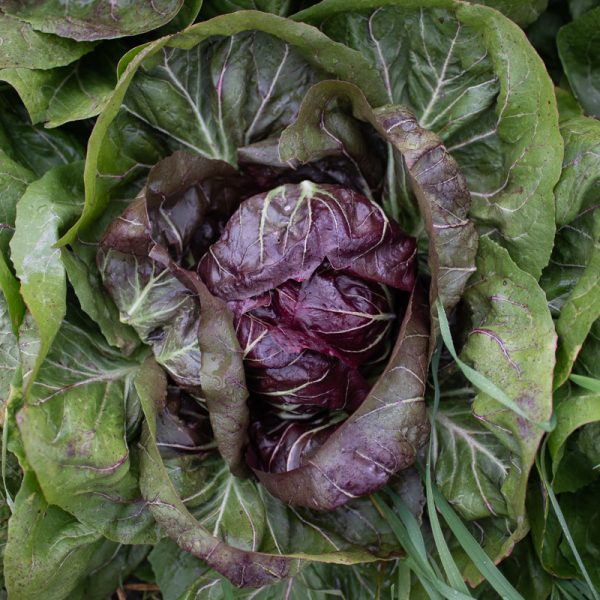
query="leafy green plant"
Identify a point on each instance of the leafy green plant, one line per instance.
(299, 299)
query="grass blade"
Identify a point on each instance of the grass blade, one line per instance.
(541, 465)
(403, 581)
(475, 552)
(589, 383)
(452, 571)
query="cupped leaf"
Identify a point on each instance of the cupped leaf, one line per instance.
(512, 342)
(208, 79)
(93, 19)
(60, 95)
(379, 439)
(571, 279)
(579, 49)
(23, 46)
(78, 418)
(469, 74)
(431, 172)
(237, 527)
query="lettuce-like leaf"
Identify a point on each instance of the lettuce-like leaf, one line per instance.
(23, 46)
(571, 279)
(486, 451)
(93, 19)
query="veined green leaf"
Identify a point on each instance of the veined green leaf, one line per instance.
(75, 425)
(511, 343)
(34, 147)
(23, 46)
(469, 74)
(46, 207)
(93, 19)
(571, 279)
(48, 550)
(64, 94)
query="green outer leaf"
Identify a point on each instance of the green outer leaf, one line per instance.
(522, 12)
(513, 344)
(541, 465)
(74, 426)
(34, 147)
(61, 95)
(47, 206)
(433, 174)
(571, 413)
(579, 50)
(510, 156)
(111, 566)
(97, 304)
(93, 19)
(316, 48)
(22, 46)
(484, 459)
(47, 550)
(571, 279)
(14, 179)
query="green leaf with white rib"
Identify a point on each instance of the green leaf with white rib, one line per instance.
(76, 426)
(486, 450)
(469, 74)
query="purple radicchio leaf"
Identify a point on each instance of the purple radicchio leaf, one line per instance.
(288, 232)
(379, 439)
(305, 270)
(434, 176)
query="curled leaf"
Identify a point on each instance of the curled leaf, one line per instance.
(433, 174)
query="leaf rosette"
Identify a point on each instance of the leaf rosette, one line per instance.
(273, 167)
